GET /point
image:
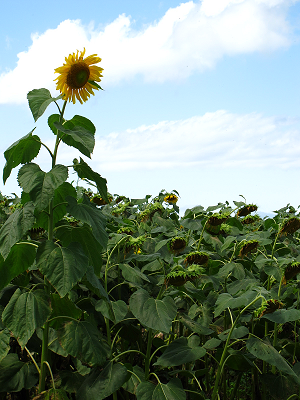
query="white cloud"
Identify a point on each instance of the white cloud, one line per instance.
(190, 37)
(218, 139)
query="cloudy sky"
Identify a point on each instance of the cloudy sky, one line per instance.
(199, 96)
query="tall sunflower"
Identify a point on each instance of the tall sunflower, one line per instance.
(78, 76)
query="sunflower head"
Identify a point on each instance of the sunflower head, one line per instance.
(176, 245)
(249, 247)
(290, 226)
(171, 198)
(290, 272)
(246, 210)
(268, 307)
(78, 76)
(196, 257)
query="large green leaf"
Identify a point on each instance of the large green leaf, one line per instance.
(93, 283)
(39, 100)
(25, 312)
(41, 185)
(19, 259)
(86, 172)
(62, 266)
(171, 391)
(15, 227)
(4, 343)
(16, 375)
(76, 136)
(81, 339)
(100, 385)
(225, 300)
(83, 235)
(114, 310)
(133, 382)
(153, 313)
(194, 326)
(63, 307)
(132, 274)
(22, 151)
(59, 205)
(266, 352)
(283, 316)
(180, 352)
(91, 215)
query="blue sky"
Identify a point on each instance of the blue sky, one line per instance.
(201, 97)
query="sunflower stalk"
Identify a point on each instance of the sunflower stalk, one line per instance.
(44, 355)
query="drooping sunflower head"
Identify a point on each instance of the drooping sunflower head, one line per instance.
(290, 226)
(171, 198)
(78, 76)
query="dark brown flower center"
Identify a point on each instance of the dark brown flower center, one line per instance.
(78, 75)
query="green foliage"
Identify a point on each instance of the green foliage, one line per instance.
(106, 296)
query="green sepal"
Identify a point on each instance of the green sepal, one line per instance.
(39, 100)
(93, 83)
(22, 151)
(85, 172)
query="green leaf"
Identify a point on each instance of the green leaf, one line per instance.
(179, 352)
(225, 300)
(86, 172)
(132, 274)
(81, 339)
(22, 151)
(41, 185)
(62, 307)
(39, 100)
(16, 375)
(53, 118)
(78, 120)
(283, 316)
(83, 235)
(153, 313)
(62, 266)
(94, 284)
(19, 259)
(59, 205)
(171, 391)
(25, 312)
(266, 352)
(100, 385)
(76, 136)
(4, 343)
(132, 384)
(15, 227)
(114, 310)
(88, 213)
(237, 333)
(194, 326)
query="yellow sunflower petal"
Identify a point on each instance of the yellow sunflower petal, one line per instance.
(74, 76)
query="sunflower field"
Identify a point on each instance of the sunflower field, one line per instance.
(104, 296)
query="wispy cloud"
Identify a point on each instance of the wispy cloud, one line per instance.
(219, 139)
(188, 38)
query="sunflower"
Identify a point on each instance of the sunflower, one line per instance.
(78, 76)
(171, 198)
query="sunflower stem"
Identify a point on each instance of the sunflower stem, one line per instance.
(44, 355)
